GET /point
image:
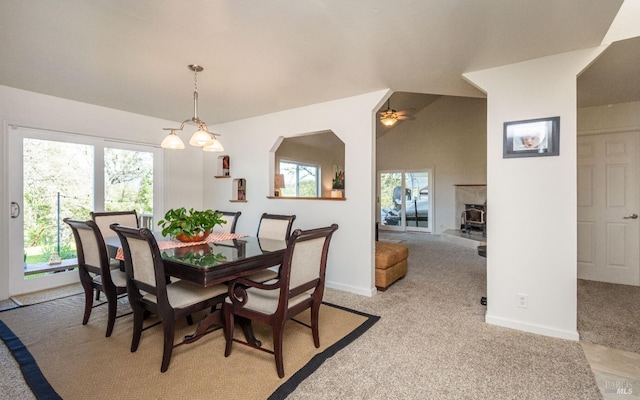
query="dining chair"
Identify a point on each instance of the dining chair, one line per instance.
(299, 287)
(149, 292)
(231, 218)
(272, 226)
(95, 271)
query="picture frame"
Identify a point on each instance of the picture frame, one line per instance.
(532, 138)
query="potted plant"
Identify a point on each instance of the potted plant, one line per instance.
(189, 225)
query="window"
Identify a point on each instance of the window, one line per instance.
(301, 180)
(57, 175)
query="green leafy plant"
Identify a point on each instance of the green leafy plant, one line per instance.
(190, 222)
(338, 180)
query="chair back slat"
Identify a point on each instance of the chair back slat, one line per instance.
(90, 250)
(231, 218)
(273, 226)
(305, 261)
(142, 261)
(105, 219)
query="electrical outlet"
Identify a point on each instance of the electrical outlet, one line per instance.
(522, 300)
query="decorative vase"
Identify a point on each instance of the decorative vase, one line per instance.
(198, 237)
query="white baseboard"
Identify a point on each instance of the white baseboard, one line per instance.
(351, 289)
(532, 328)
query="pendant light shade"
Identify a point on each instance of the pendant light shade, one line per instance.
(200, 138)
(215, 145)
(172, 141)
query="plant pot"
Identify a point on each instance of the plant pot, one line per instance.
(198, 250)
(198, 237)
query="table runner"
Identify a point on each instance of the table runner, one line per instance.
(173, 243)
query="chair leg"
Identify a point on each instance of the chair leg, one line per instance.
(228, 328)
(97, 295)
(88, 302)
(112, 304)
(169, 332)
(138, 317)
(315, 314)
(278, 331)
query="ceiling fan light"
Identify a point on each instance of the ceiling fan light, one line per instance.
(389, 120)
(200, 138)
(214, 146)
(172, 141)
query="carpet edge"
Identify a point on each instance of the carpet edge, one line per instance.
(316, 361)
(28, 366)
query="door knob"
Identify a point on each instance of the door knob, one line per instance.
(632, 216)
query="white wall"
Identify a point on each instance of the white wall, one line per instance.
(449, 136)
(620, 117)
(249, 142)
(182, 169)
(532, 234)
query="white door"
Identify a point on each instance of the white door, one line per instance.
(55, 175)
(404, 200)
(608, 223)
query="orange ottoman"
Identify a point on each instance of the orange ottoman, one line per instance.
(391, 263)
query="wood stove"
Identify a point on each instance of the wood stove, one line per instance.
(474, 218)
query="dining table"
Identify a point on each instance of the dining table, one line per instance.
(220, 258)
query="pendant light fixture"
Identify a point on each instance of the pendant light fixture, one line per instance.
(202, 137)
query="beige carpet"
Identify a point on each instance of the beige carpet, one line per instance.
(608, 315)
(70, 355)
(47, 295)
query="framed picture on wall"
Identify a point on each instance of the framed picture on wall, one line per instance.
(532, 138)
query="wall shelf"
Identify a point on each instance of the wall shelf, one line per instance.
(307, 198)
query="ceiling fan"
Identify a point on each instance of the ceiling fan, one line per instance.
(389, 117)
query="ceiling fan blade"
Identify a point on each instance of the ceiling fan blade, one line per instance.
(405, 117)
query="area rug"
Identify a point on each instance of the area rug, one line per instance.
(68, 354)
(48, 295)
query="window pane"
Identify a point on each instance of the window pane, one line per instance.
(128, 181)
(58, 183)
(300, 180)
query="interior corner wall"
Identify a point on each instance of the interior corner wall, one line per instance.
(249, 142)
(449, 136)
(532, 239)
(182, 169)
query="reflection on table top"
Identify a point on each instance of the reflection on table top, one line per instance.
(210, 255)
(215, 262)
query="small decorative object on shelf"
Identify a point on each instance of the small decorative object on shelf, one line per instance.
(191, 225)
(278, 183)
(338, 180)
(239, 190)
(223, 170)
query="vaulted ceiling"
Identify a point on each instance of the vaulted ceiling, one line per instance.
(266, 56)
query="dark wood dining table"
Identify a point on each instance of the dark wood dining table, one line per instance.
(213, 263)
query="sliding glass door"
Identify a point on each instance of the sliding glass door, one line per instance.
(55, 176)
(404, 200)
